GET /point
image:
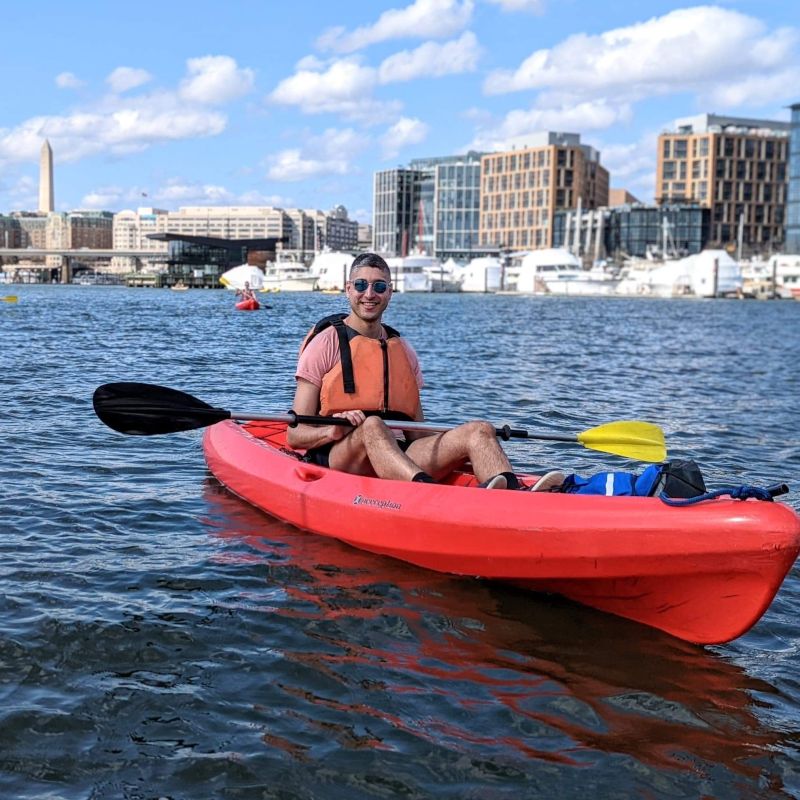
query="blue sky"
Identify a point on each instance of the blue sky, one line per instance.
(298, 104)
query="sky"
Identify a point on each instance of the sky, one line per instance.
(298, 104)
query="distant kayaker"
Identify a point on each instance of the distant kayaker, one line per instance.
(247, 293)
(379, 362)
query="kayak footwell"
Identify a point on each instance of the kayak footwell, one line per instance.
(704, 573)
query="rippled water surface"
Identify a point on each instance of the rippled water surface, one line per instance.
(160, 638)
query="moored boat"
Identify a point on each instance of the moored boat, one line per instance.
(557, 271)
(710, 273)
(483, 274)
(289, 276)
(705, 572)
(409, 273)
(331, 269)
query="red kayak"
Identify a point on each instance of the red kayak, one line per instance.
(251, 304)
(704, 573)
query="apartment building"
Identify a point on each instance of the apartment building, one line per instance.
(333, 230)
(432, 206)
(736, 167)
(522, 188)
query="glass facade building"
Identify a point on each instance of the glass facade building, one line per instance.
(793, 194)
(393, 199)
(458, 208)
(203, 259)
(634, 231)
(432, 206)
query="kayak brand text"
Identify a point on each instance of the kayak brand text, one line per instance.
(360, 500)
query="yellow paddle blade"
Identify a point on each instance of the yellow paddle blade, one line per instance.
(9, 298)
(640, 440)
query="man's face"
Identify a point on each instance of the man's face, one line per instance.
(368, 303)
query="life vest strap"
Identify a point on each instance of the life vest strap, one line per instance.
(348, 378)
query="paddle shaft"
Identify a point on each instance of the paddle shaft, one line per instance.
(146, 409)
(505, 432)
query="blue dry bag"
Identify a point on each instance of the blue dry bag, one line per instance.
(679, 478)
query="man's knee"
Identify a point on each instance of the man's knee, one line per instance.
(372, 426)
(480, 430)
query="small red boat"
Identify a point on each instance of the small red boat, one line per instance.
(250, 304)
(704, 573)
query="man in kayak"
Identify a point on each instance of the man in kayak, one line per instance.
(247, 293)
(354, 366)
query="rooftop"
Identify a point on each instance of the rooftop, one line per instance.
(716, 123)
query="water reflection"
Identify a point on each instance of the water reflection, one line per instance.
(394, 658)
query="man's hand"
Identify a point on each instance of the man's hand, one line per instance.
(355, 418)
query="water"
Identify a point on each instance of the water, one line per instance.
(160, 638)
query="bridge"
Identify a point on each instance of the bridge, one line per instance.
(68, 255)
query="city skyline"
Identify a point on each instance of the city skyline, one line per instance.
(270, 107)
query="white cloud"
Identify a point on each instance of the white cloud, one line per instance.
(175, 193)
(423, 19)
(124, 78)
(330, 153)
(345, 88)
(293, 165)
(214, 80)
(700, 49)
(404, 132)
(533, 6)
(105, 197)
(632, 166)
(432, 60)
(312, 62)
(120, 124)
(585, 116)
(343, 83)
(755, 90)
(67, 80)
(23, 193)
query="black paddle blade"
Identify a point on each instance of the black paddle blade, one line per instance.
(143, 409)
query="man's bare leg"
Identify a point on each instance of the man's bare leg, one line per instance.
(475, 442)
(372, 449)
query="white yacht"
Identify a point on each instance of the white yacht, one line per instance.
(711, 273)
(409, 273)
(288, 276)
(557, 271)
(331, 268)
(484, 274)
(445, 277)
(785, 271)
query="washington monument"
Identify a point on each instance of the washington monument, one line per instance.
(46, 179)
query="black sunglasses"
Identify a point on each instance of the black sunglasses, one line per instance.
(361, 284)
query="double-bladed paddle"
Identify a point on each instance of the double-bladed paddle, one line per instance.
(145, 409)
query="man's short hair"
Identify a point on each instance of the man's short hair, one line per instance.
(370, 260)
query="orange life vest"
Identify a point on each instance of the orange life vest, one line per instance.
(373, 375)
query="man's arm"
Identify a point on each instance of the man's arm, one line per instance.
(305, 437)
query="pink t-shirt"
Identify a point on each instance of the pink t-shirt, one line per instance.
(322, 355)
